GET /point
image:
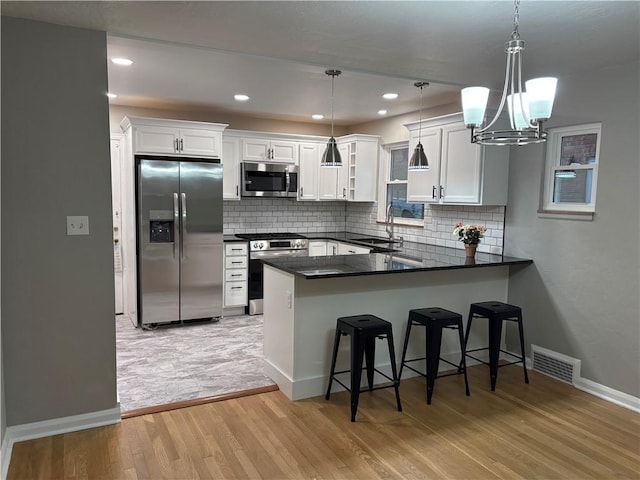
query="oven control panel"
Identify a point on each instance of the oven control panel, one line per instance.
(264, 245)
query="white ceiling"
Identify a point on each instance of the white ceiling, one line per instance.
(276, 52)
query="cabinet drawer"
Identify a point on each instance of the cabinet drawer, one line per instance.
(235, 294)
(235, 274)
(235, 262)
(235, 249)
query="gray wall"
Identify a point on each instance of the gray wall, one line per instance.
(57, 291)
(580, 297)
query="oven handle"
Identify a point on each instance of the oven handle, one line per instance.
(280, 253)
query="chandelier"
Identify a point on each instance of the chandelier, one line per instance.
(527, 108)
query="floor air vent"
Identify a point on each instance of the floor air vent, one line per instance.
(556, 365)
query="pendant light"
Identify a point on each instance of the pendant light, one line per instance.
(527, 109)
(419, 159)
(331, 156)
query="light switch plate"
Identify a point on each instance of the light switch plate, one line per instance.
(77, 225)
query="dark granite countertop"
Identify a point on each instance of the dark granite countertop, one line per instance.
(427, 258)
(232, 238)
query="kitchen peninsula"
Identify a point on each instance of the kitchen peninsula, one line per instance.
(304, 296)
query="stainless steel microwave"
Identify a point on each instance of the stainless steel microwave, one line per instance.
(269, 180)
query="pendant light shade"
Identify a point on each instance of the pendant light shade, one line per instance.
(331, 156)
(418, 159)
(527, 108)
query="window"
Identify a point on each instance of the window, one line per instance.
(571, 172)
(393, 187)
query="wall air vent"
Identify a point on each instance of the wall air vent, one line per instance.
(556, 365)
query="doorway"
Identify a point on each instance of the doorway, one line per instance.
(157, 369)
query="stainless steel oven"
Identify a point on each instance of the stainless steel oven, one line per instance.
(269, 245)
(269, 180)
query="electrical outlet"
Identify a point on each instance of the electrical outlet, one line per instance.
(77, 225)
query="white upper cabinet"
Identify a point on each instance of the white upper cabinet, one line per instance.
(460, 172)
(231, 168)
(269, 150)
(308, 171)
(356, 180)
(174, 137)
(360, 161)
(423, 185)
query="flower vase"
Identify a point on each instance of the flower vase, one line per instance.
(470, 249)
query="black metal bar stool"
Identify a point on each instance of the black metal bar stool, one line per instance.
(496, 312)
(434, 319)
(364, 329)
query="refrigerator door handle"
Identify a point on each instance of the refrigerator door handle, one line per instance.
(176, 221)
(183, 235)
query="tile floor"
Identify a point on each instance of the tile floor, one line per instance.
(172, 364)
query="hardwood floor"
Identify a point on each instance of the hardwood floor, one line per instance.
(542, 430)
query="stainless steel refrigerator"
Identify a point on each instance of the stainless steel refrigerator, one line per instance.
(179, 239)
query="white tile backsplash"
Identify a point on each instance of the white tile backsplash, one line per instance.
(265, 215)
(439, 221)
(252, 215)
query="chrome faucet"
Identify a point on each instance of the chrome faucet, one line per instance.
(389, 223)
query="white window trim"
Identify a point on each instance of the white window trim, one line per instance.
(552, 165)
(384, 169)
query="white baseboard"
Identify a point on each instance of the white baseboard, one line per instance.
(56, 426)
(601, 391)
(5, 456)
(614, 396)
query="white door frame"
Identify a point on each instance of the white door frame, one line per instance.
(117, 155)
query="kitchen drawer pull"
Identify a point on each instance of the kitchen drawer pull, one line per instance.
(441, 191)
(433, 192)
(236, 288)
(236, 275)
(236, 262)
(181, 145)
(237, 249)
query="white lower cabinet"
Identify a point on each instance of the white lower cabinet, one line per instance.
(317, 248)
(236, 263)
(350, 249)
(323, 248)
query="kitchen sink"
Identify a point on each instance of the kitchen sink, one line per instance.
(375, 240)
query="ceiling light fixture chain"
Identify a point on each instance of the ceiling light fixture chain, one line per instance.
(527, 110)
(515, 35)
(331, 156)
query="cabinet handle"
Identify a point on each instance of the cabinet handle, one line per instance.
(236, 262)
(352, 251)
(236, 190)
(181, 145)
(441, 191)
(433, 192)
(236, 288)
(177, 147)
(344, 193)
(237, 275)
(237, 249)
(301, 191)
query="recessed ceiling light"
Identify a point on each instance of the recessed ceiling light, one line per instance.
(111, 95)
(382, 112)
(241, 97)
(121, 61)
(390, 96)
(317, 116)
